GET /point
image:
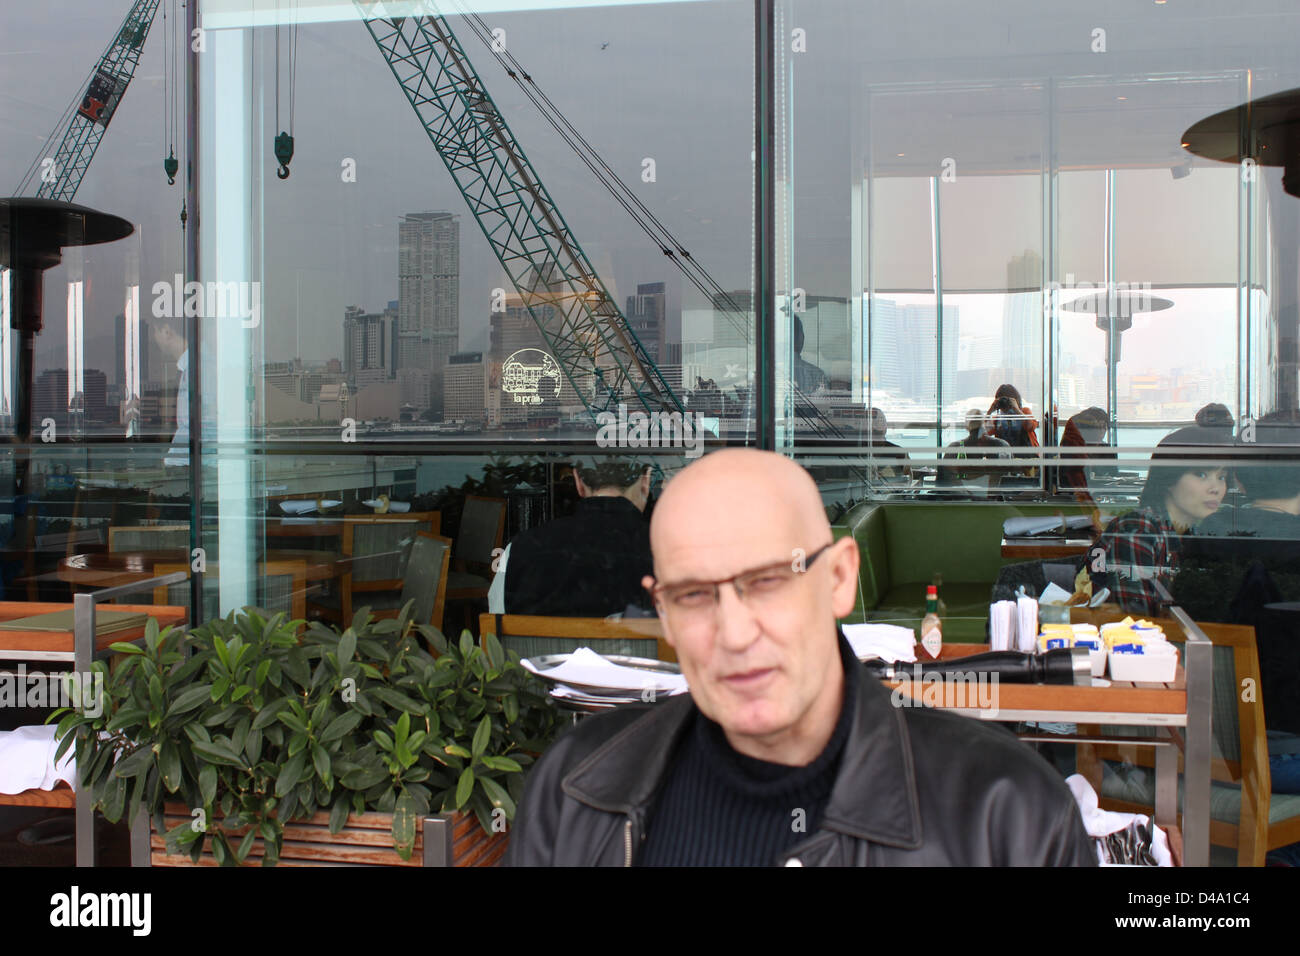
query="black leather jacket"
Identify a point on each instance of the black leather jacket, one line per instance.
(916, 787)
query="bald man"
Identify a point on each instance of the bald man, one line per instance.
(785, 752)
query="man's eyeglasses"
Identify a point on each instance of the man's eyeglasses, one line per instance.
(693, 601)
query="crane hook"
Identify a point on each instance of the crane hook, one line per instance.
(170, 166)
(283, 153)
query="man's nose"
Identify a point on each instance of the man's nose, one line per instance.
(737, 625)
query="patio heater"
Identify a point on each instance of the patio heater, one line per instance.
(1266, 131)
(33, 233)
(1114, 310)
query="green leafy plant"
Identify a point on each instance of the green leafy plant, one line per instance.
(252, 726)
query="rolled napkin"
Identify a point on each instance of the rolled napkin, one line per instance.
(1027, 625)
(889, 642)
(1002, 626)
(1024, 527)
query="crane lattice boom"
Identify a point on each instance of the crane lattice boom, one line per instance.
(61, 178)
(580, 322)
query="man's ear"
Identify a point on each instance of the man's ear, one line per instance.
(583, 490)
(844, 561)
(648, 582)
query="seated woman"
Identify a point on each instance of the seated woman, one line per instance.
(1142, 548)
(1086, 430)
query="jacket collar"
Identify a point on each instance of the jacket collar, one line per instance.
(874, 797)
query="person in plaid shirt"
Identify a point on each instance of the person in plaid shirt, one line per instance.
(1141, 548)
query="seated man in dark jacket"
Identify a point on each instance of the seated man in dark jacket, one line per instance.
(785, 752)
(589, 564)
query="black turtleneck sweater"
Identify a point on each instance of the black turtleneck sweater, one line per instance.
(718, 807)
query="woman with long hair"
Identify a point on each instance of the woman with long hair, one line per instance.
(1142, 548)
(1011, 420)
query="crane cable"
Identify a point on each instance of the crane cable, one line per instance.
(668, 244)
(284, 139)
(59, 127)
(171, 98)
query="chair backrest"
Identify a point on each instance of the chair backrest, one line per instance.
(430, 521)
(482, 525)
(155, 537)
(378, 546)
(426, 577)
(281, 586)
(531, 635)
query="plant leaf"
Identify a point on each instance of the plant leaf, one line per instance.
(321, 761)
(404, 817)
(290, 773)
(481, 737)
(464, 787)
(497, 794)
(339, 814)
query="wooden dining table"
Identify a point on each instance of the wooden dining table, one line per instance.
(1039, 546)
(126, 567)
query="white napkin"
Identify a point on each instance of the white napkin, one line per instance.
(394, 507)
(1053, 594)
(1022, 527)
(27, 760)
(585, 666)
(889, 642)
(1026, 625)
(297, 507)
(1100, 823)
(1002, 626)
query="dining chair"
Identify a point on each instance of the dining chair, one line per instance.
(375, 552)
(482, 526)
(157, 537)
(424, 581)
(281, 586)
(1244, 812)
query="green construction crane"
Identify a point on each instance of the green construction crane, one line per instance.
(61, 174)
(579, 320)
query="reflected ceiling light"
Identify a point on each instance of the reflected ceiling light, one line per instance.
(899, 154)
(1266, 130)
(1125, 302)
(1121, 98)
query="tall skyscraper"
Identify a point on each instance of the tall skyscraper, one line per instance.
(904, 349)
(521, 385)
(369, 346)
(428, 277)
(645, 314)
(1022, 316)
(465, 388)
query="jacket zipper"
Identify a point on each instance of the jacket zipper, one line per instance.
(627, 842)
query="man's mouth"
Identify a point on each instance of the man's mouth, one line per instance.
(750, 679)
(1212, 505)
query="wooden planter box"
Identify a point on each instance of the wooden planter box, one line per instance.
(454, 839)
